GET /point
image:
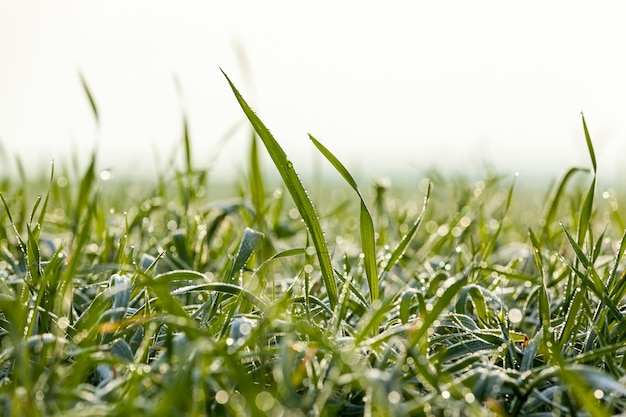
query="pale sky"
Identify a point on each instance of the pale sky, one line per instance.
(394, 86)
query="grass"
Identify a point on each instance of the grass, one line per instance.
(454, 298)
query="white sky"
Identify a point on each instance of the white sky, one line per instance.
(395, 86)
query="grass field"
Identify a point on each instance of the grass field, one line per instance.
(450, 298)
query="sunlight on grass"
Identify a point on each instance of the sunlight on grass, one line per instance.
(450, 298)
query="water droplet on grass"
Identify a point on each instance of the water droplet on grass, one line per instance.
(264, 401)
(106, 174)
(515, 316)
(221, 397)
(394, 397)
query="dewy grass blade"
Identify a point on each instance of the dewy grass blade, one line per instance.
(427, 318)
(544, 302)
(257, 187)
(249, 242)
(555, 197)
(44, 208)
(587, 207)
(296, 189)
(368, 243)
(398, 252)
(491, 244)
(617, 289)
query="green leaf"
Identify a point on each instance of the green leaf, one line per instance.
(555, 197)
(368, 243)
(427, 318)
(298, 193)
(587, 206)
(249, 242)
(92, 102)
(491, 244)
(399, 251)
(544, 302)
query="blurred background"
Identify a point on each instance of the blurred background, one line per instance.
(392, 88)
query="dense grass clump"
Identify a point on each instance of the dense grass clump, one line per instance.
(454, 298)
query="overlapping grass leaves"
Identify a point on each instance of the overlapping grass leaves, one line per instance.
(167, 302)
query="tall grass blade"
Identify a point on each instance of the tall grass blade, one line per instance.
(84, 191)
(544, 302)
(592, 153)
(587, 206)
(399, 251)
(257, 187)
(491, 244)
(187, 145)
(298, 193)
(368, 243)
(555, 197)
(44, 207)
(92, 102)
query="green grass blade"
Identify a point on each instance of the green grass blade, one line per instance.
(617, 288)
(84, 191)
(399, 251)
(544, 302)
(224, 288)
(249, 242)
(92, 102)
(427, 318)
(556, 195)
(20, 241)
(257, 186)
(595, 284)
(44, 207)
(298, 193)
(368, 243)
(491, 244)
(587, 206)
(592, 154)
(582, 381)
(573, 321)
(187, 145)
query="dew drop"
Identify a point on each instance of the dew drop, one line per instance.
(394, 397)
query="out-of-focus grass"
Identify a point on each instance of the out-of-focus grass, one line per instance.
(451, 298)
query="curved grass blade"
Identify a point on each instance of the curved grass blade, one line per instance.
(491, 244)
(596, 284)
(298, 193)
(582, 380)
(224, 288)
(617, 288)
(249, 242)
(587, 207)
(92, 102)
(398, 252)
(555, 197)
(368, 243)
(44, 208)
(428, 318)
